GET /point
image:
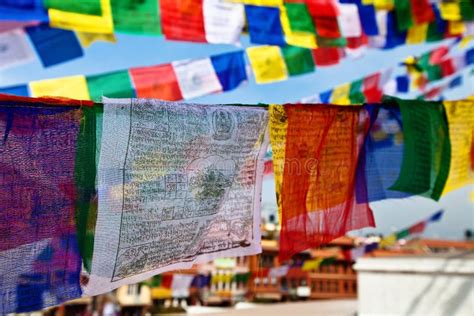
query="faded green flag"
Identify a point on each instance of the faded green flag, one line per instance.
(112, 85)
(136, 16)
(427, 148)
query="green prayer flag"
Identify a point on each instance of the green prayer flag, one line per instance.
(427, 148)
(467, 10)
(424, 61)
(113, 85)
(298, 60)
(300, 19)
(434, 72)
(136, 16)
(91, 7)
(329, 260)
(404, 15)
(402, 234)
(356, 96)
(433, 34)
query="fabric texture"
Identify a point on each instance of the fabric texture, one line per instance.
(186, 180)
(39, 256)
(318, 188)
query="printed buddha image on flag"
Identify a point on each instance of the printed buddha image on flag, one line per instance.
(178, 184)
(39, 255)
(318, 188)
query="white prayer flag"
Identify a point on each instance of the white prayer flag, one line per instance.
(349, 21)
(179, 184)
(196, 78)
(223, 21)
(14, 49)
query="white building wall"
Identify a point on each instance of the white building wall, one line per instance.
(416, 286)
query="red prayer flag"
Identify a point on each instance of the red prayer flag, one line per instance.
(438, 54)
(447, 67)
(322, 8)
(422, 11)
(417, 228)
(183, 20)
(327, 56)
(156, 82)
(318, 191)
(327, 26)
(167, 280)
(356, 42)
(371, 89)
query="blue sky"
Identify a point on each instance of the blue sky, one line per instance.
(131, 51)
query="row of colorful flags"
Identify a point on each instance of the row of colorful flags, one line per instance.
(96, 196)
(306, 23)
(58, 30)
(188, 79)
(391, 240)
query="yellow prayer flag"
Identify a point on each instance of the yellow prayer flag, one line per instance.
(384, 4)
(340, 94)
(367, 2)
(161, 293)
(267, 63)
(83, 22)
(87, 39)
(388, 241)
(466, 40)
(74, 87)
(309, 265)
(269, 3)
(302, 39)
(278, 129)
(456, 27)
(417, 33)
(460, 116)
(450, 11)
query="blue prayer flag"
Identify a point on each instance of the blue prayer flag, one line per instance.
(264, 25)
(230, 69)
(21, 90)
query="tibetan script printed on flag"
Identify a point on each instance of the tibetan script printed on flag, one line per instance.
(178, 184)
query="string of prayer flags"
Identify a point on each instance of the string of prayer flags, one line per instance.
(426, 154)
(14, 49)
(205, 173)
(52, 45)
(460, 117)
(39, 258)
(312, 214)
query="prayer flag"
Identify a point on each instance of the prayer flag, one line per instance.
(422, 11)
(158, 82)
(267, 63)
(349, 20)
(460, 116)
(39, 258)
(20, 90)
(436, 216)
(14, 49)
(355, 93)
(113, 85)
(24, 10)
(327, 56)
(417, 33)
(298, 60)
(54, 46)
(183, 20)
(340, 94)
(388, 241)
(264, 25)
(426, 155)
(295, 37)
(403, 14)
(367, 16)
(403, 84)
(325, 96)
(136, 16)
(74, 87)
(314, 264)
(417, 228)
(231, 69)
(223, 21)
(205, 176)
(299, 18)
(450, 11)
(318, 187)
(90, 23)
(87, 39)
(196, 77)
